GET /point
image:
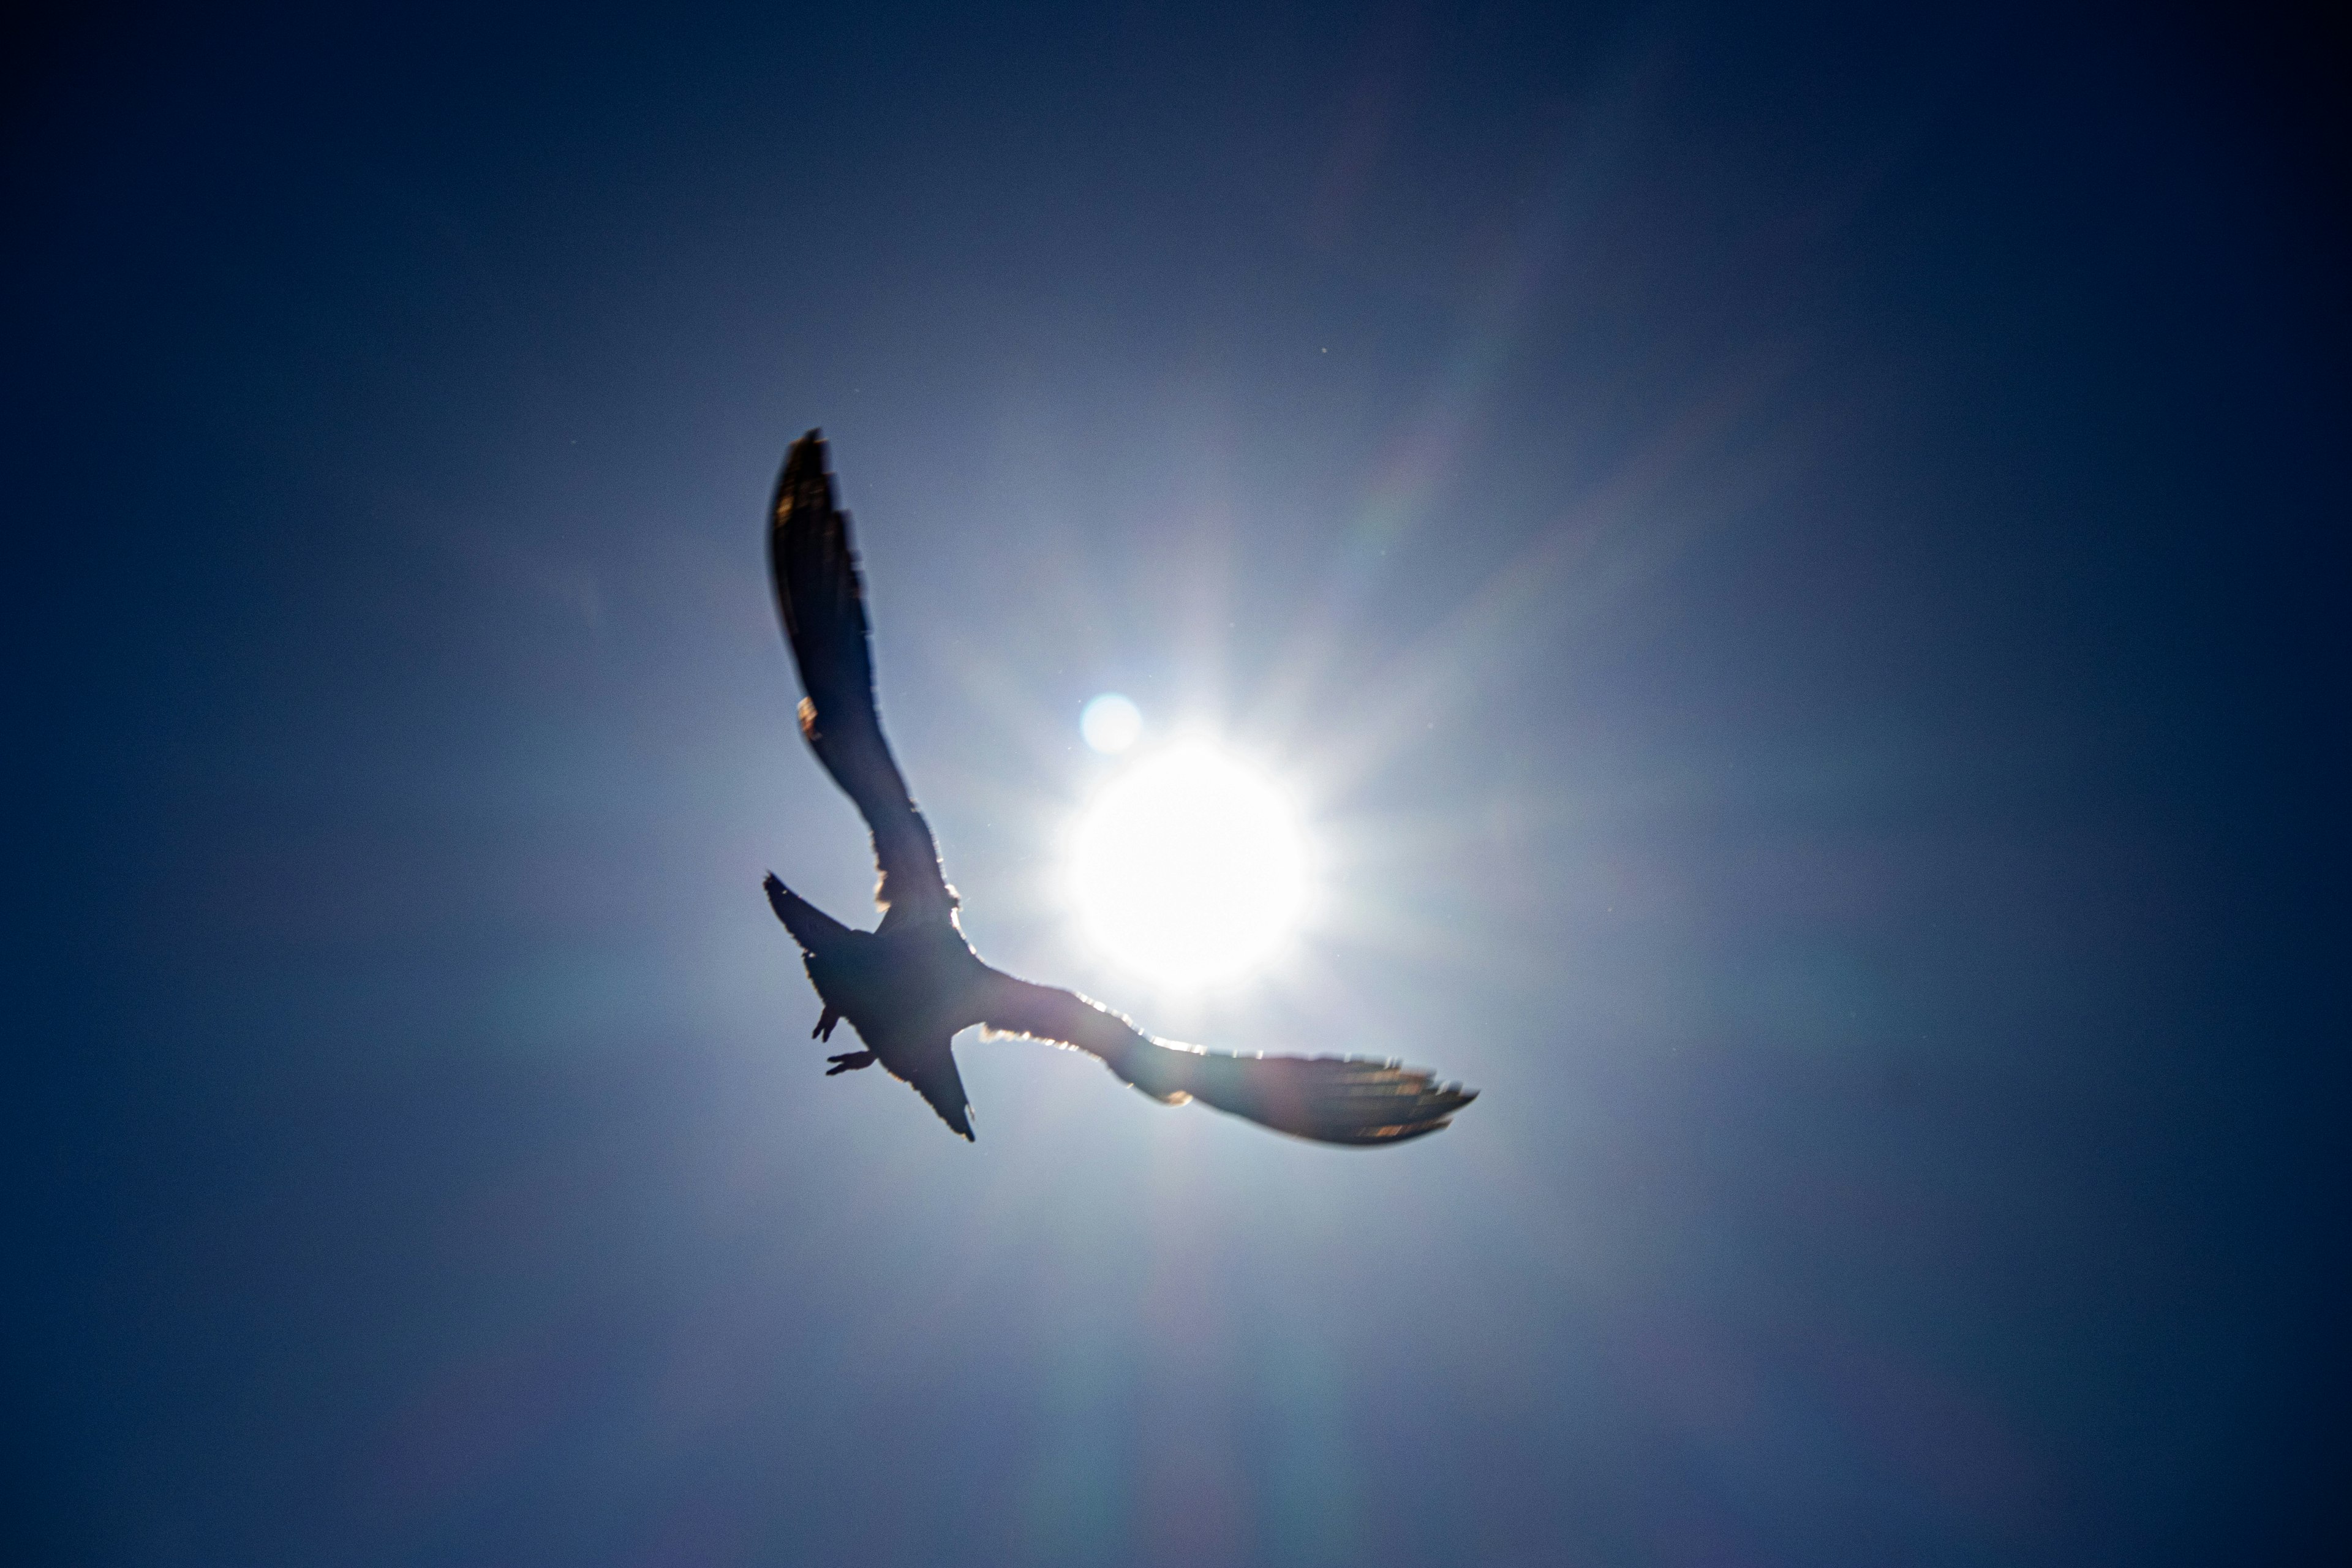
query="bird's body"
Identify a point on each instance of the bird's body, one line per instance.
(910, 986)
(908, 992)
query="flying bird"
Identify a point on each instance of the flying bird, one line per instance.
(912, 984)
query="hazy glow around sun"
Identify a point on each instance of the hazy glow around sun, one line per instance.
(1189, 867)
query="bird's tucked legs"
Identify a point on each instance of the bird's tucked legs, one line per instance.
(823, 1030)
(851, 1062)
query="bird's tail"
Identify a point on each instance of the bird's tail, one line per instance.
(815, 930)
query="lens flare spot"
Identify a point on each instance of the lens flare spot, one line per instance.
(1110, 723)
(1189, 867)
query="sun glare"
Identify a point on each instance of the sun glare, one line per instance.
(1189, 867)
(1110, 723)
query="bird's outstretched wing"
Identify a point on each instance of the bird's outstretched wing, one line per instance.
(824, 619)
(1327, 1098)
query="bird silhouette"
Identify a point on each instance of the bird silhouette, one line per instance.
(911, 985)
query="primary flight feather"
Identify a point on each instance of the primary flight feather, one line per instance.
(910, 985)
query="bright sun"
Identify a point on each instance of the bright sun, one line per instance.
(1189, 867)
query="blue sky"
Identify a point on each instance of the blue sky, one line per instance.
(1788, 562)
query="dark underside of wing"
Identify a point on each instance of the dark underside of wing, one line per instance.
(822, 601)
(1330, 1099)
